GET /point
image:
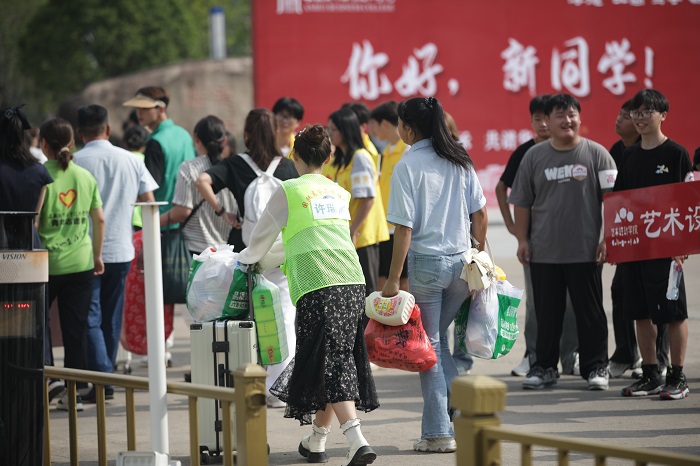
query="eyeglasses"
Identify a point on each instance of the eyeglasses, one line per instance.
(644, 114)
(284, 116)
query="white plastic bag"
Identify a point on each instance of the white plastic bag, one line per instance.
(210, 279)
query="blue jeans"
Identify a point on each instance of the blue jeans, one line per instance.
(434, 282)
(105, 316)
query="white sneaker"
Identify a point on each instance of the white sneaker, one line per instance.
(576, 370)
(617, 369)
(274, 402)
(62, 403)
(436, 445)
(521, 369)
(598, 379)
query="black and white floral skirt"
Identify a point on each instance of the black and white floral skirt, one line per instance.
(331, 363)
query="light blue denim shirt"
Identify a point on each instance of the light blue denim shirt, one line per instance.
(434, 198)
(121, 177)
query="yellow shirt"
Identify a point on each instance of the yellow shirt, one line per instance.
(390, 157)
(291, 146)
(374, 229)
(371, 149)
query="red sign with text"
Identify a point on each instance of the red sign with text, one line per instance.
(651, 223)
(483, 60)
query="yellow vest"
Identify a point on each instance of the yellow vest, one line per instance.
(372, 150)
(318, 250)
(374, 229)
(390, 157)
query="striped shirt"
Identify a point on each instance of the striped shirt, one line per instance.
(204, 228)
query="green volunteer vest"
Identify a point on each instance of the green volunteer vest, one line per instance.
(318, 249)
(177, 147)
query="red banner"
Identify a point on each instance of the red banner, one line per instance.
(651, 223)
(483, 60)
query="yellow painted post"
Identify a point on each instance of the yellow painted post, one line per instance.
(194, 431)
(130, 420)
(478, 398)
(251, 415)
(72, 423)
(101, 425)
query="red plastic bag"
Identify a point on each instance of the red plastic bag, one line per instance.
(404, 347)
(133, 337)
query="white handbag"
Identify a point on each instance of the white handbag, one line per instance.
(479, 271)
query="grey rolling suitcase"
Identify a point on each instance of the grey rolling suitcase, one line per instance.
(217, 349)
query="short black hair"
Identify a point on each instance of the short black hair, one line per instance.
(360, 109)
(92, 120)
(627, 105)
(135, 137)
(289, 104)
(561, 101)
(651, 99)
(386, 111)
(538, 104)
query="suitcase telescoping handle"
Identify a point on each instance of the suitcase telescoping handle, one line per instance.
(251, 270)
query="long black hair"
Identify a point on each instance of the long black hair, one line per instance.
(349, 126)
(211, 131)
(426, 118)
(13, 143)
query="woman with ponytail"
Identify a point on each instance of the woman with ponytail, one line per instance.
(204, 228)
(71, 206)
(434, 190)
(330, 375)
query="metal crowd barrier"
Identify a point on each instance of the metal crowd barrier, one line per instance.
(479, 435)
(248, 396)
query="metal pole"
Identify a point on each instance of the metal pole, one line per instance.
(155, 328)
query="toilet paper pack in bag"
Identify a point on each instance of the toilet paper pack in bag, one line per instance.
(269, 320)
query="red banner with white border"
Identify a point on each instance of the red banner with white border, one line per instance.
(651, 223)
(484, 60)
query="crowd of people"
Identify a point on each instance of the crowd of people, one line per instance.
(353, 220)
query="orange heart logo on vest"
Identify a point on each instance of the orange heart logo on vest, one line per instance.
(68, 198)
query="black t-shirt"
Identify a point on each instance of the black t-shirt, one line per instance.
(508, 176)
(155, 160)
(641, 168)
(617, 149)
(20, 186)
(235, 174)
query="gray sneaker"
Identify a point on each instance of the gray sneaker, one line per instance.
(436, 445)
(539, 377)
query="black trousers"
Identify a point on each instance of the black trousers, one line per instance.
(626, 351)
(369, 261)
(74, 294)
(583, 281)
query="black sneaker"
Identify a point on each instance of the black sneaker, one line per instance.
(650, 384)
(91, 396)
(539, 377)
(676, 387)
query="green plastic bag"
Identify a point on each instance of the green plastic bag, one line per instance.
(237, 304)
(486, 324)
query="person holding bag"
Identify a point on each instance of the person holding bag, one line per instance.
(330, 373)
(434, 190)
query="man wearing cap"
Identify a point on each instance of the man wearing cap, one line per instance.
(168, 146)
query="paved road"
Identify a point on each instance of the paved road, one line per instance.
(569, 409)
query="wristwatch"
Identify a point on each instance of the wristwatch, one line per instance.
(220, 212)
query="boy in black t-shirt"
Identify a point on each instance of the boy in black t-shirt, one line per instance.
(657, 160)
(569, 341)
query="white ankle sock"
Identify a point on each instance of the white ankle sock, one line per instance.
(353, 433)
(317, 439)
